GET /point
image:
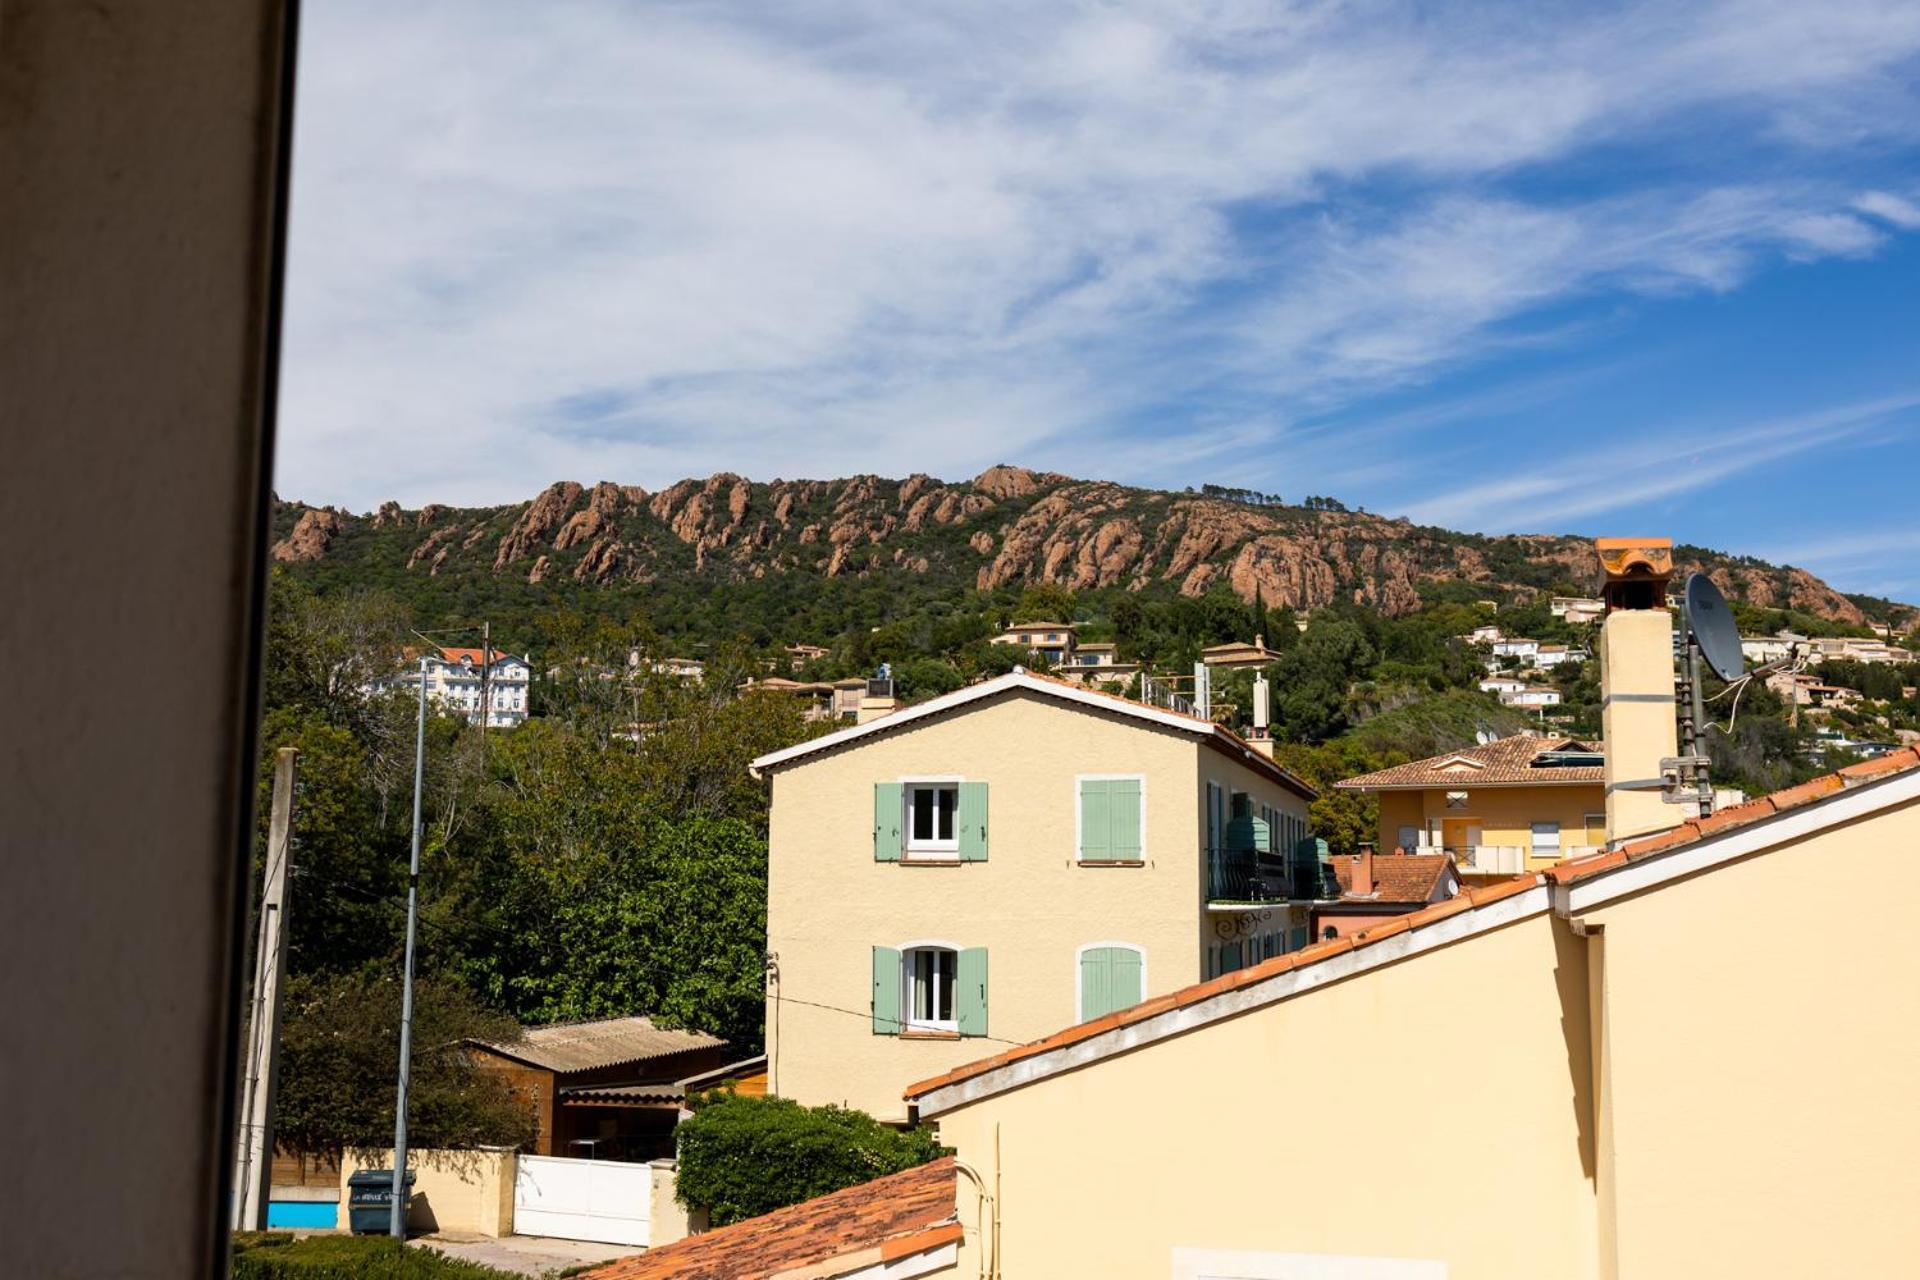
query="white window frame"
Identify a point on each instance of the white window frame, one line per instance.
(1559, 832)
(1080, 951)
(936, 850)
(907, 951)
(1079, 842)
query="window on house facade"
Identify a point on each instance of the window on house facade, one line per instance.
(1546, 839)
(930, 988)
(931, 814)
(937, 820)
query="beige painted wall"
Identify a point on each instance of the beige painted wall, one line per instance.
(1505, 814)
(1031, 904)
(468, 1192)
(1762, 1062)
(1428, 1110)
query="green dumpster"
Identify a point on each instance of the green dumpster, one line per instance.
(370, 1201)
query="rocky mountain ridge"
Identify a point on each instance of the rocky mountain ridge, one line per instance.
(1006, 526)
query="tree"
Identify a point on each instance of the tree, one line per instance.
(338, 1052)
(741, 1157)
(1045, 602)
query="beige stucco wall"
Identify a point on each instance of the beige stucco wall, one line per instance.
(668, 1219)
(1031, 904)
(1761, 1057)
(1428, 1110)
(465, 1192)
(1505, 814)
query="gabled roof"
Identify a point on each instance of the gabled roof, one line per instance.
(609, 1042)
(883, 1223)
(1019, 681)
(1504, 762)
(1772, 821)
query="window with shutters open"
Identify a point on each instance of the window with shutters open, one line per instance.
(930, 988)
(1111, 818)
(935, 820)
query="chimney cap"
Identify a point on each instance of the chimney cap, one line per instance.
(1637, 571)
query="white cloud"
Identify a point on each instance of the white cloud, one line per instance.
(1630, 471)
(1898, 210)
(837, 237)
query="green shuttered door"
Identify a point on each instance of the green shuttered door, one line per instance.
(973, 822)
(1110, 819)
(970, 992)
(888, 815)
(1109, 980)
(886, 991)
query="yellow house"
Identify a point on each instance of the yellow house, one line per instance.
(978, 869)
(1641, 1078)
(1514, 804)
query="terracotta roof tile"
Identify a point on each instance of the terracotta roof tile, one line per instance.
(861, 1226)
(1504, 762)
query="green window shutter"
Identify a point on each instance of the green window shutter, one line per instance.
(1096, 983)
(1123, 816)
(888, 815)
(1096, 826)
(970, 992)
(973, 822)
(1126, 978)
(886, 991)
(1109, 980)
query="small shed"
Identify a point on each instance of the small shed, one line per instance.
(605, 1090)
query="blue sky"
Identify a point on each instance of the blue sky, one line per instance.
(1538, 267)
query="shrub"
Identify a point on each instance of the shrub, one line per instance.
(277, 1256)
(741, 1157)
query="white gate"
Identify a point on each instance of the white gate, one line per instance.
(604, 1200)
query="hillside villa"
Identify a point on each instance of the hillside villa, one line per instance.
(1054, 641)
(1019, 854)
(454, 677)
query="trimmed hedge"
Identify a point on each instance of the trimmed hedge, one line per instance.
(278, 1256)
(741, 1157)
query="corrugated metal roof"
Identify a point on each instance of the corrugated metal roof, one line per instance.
(609, 1042)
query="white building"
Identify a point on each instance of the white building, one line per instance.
(1502, 685)
(1533, 695)
(454, 679)
(1577, 609)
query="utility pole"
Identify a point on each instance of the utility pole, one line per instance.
(254, 1176)
(398, 1222)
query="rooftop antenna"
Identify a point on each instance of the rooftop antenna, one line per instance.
(1712, 638)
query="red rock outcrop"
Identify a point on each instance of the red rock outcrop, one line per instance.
(312, 534)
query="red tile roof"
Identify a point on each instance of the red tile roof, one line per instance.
(875, 1222)
(1502, 762)
(1397, 877)
(472, 655)
(1469, 899)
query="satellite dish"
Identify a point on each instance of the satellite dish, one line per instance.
(1712, 625)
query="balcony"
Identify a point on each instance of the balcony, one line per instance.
(1244, 876)
(1489, 859)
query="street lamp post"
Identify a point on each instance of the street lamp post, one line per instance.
(398, 1223)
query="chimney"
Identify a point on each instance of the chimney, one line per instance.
(1360, 884)
(1261, 739)
(1636, 684)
